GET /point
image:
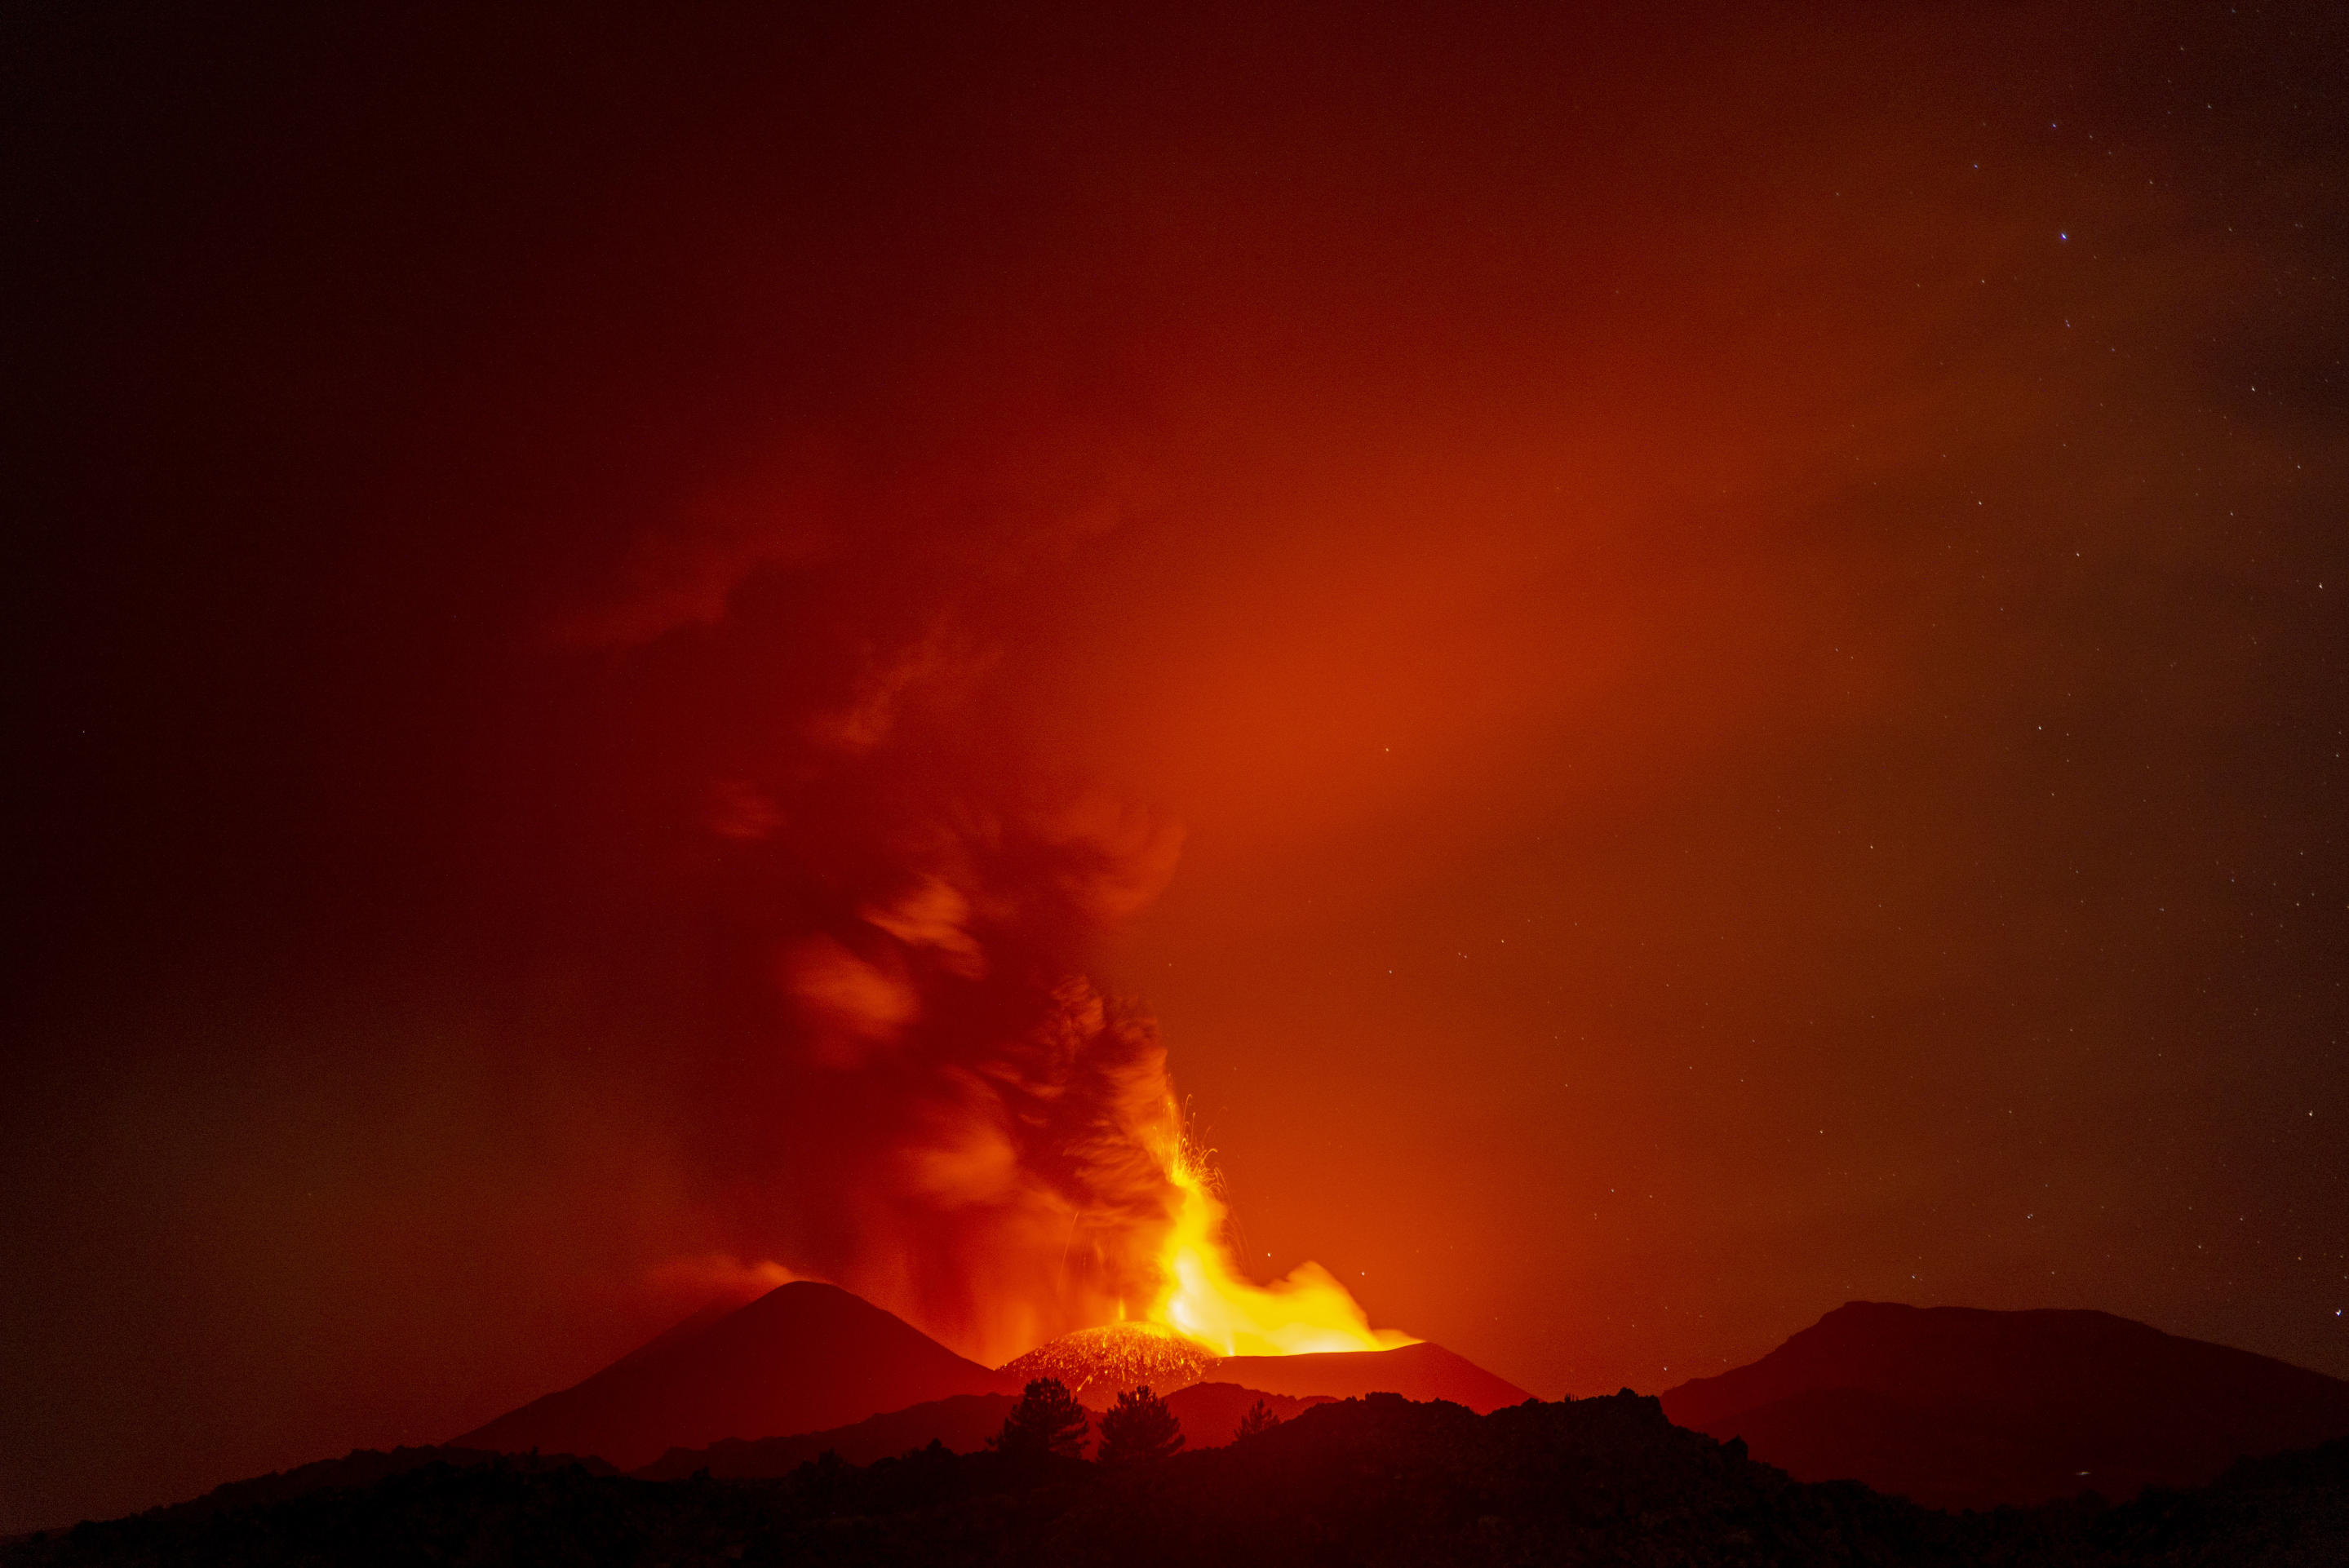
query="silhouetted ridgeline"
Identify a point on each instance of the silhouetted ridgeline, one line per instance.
(1208, 1414)
(1959, 1407)
(803, 1357)
(1379, 1480)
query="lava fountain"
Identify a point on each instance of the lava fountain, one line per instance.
(1045, 1183)
(1205, 1308)
(1206, 1298)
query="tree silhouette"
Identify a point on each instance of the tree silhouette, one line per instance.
(1139, 1430)
(1259, 1419)
(1047, 1420)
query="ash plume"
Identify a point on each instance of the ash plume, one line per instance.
(996, 1133)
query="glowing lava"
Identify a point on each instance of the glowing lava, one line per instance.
(1205, 1309)
(1205, 1297)
(1097, 1364)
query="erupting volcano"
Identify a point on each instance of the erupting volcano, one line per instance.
(1205, 1310)
(1031, 1172)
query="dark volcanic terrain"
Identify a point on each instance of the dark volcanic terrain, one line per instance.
(1959, 1408)
(1437, 1461)
(809, 1363)
(801, 1358)
(1372, 1481)
(1422, 1371)
(1208, 1413)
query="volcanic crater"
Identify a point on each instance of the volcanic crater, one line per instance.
(1099, 1364)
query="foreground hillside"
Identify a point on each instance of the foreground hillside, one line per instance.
(1376, 1481)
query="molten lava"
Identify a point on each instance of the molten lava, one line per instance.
(1051, 1188)
(1097, 1364)
(1205, 1297)
(1205, 1309)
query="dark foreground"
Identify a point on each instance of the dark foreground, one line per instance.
(1379, 1480)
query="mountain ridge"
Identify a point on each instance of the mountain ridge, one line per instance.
(811, 1360)
(1374, 1481)
(803, 1357)
(1969, 1406)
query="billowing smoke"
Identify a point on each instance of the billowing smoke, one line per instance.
(997, 1133)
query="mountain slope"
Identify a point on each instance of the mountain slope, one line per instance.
(962, 1423)
(802, 1357)
(1422, 1371)
(1208, 1413)
(1959, 1407)
(1374, 1481)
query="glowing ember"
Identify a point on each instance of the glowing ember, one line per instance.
(1205, 1297)
(1099, 1364)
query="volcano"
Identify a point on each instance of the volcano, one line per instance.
(810, 1358)
(803, 1357)
(1098, 1364)
(1959, 1407)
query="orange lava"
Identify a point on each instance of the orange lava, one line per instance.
(1205, 1297)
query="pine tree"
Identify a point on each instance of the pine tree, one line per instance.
(1259, 1419)
(1047, 1420)
(1141, 1430)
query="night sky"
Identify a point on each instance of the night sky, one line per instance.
(1695, 662)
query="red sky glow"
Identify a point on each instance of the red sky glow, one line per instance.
(1674, 668)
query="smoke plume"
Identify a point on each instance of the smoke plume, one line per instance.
(997, 1133)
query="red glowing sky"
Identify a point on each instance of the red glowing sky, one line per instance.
(1696, 665)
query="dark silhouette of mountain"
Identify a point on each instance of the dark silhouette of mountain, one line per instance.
(962, 1424)
(809, 1363)
(801, 1358)
(1210, 1413)
(1422, 1371)
(1374, 1481)
(1958, 1407)
(360, 1468)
